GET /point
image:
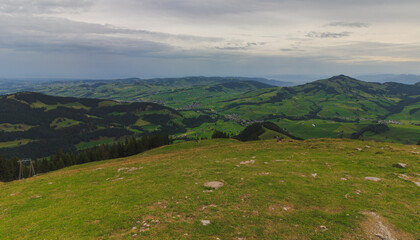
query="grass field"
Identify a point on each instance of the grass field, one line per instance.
(15, 143)
(314, 189)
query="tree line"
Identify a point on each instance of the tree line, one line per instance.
(9, 168)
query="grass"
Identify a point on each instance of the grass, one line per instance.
(114, 199)
(15, 143)
(8, 127)
(62, 122)
(90, 144)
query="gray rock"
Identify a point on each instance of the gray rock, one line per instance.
(399, 165)
(214, 184)
(375, 179)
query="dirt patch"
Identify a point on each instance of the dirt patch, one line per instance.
(375, 227)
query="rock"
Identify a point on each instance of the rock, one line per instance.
(323, 228)
(247, 162)
(314, 175)
(343, 179)
(374, 179)
(205, 222)
(214, 184)
(399, 165)
(417, 183)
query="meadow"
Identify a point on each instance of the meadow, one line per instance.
(312, 189)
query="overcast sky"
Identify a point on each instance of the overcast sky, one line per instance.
(171, 38)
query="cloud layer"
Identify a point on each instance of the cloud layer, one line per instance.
(81, 38)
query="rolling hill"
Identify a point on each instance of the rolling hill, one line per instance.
(313, 189)
(37, 125)
(338, 106)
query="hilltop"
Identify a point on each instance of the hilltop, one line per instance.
(313, 189)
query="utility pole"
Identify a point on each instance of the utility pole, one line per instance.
(21, 168)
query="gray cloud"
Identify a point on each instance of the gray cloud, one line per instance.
(327, 34)
(240, 46)
(349, 24)
(47, 34)
(44, 6)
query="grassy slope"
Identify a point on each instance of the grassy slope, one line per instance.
(96, 201)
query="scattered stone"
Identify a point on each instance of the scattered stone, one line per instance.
(380, 236)
(403, 176)
(205, 222)
(374, 179)
(343, 179)
(358, 149)
(214, 184)
(399, 165)
(323, 228)
(14, 194)
(247, 162)
(358, 192)
(286, 208)
(50, 183)
(314, 175)
(134, 228)
(417, 183)
(282, 160)
(208, 191)
(122, 169)
(209, 206)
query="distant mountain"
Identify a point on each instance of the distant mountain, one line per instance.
(134, 89)
(382, 78)
(37, 125)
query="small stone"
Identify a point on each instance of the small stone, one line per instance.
(323, 228)
(134, 228)
(205, 222)
(214, 184)
(378, 235)
(399, 165)
(314, 175)
(417, 183)
(343, 179)
(374, 179)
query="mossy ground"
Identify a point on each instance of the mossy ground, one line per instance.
(276, 197)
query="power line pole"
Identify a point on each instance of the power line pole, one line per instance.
(23, 162)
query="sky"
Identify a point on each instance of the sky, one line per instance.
(174, 38)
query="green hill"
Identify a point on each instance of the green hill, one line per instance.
(263, 131)
(134, 89)
(339, 106)
(312, 189)
(36, 125)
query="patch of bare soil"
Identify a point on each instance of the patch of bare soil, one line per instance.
(375, 227)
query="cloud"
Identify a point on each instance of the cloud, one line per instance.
(44, 6)
(327, 34)
(348, 24)
(240, 46)
(51, 34)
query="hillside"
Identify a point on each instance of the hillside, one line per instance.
(338, 106)
(36, 125)
(313, 189)
(131, 89)
(264, 131)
